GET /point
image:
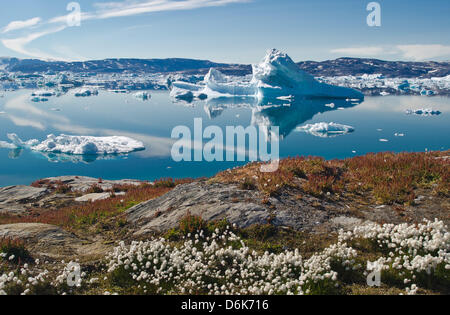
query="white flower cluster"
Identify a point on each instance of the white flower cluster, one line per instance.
(412, 251)
(223, 264)
(26, 279)
(23, 278)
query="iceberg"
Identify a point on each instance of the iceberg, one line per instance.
(77, 145)
(326, 130)
(85, 92)
(277, 77)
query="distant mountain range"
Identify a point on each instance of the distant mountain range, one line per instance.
(338, 67)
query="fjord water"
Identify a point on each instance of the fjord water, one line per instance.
(152, 122)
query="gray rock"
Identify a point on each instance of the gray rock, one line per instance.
(93, 197)
(16, 199)
(210, 201)
(82, 183)
(226, 201)
(42, 239)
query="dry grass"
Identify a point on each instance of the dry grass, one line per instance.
(388, 178)
(90, 213)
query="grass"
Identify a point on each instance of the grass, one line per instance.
(85, 215)
(386, 178)
(16, 248)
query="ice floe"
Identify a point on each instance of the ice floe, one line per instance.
(142, 96)
(85, 92)
(423, 112)
(43, 93)
(326, 130)
(277, 76)
(77, 145)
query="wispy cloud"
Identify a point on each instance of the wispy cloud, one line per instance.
(424, 52)
(104, 10)
(19, 44)
(17, 25)
(408, 52)
(359, 51)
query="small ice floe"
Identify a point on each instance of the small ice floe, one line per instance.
(84, 92)
(326, 130)
(384, 93)
(237, 115)
(354, 152)
(423, 112)
(379, 130)
(78, 145)
(38, 99)
(399, 134)
(286, 98)
(142, 96)
(2, 113)
(43, 93)
(332, 105)
(384, 140)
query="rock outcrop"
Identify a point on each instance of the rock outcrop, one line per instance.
(16, 199)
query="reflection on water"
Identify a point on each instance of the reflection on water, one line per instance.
(152, 122)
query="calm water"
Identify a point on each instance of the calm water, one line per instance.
(152, 122)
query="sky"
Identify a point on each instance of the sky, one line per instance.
(233, 31)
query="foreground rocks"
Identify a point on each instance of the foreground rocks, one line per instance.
(49, 241)
(214, 201)
(16, 199)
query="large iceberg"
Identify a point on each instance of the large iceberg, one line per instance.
(277, 76)
(78, 145)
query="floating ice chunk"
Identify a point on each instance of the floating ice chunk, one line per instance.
(326, 130)
(384, 93)
(2, 113)
(332, 105)
(423, 112)
(384, 140)
(19, 143)
(84, 92)
(43, 93)
(286, 98)
(7, 145)
(38, 99)
(399, 134)
(87, 145)
(218, 84)
(142, 95)
(181, 94)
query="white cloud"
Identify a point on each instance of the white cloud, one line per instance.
(359, 51)
(424, 52)
(19, 44)
(105, 10)
(407, 52)
(17, 25)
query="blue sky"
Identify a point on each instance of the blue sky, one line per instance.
(225, 30)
